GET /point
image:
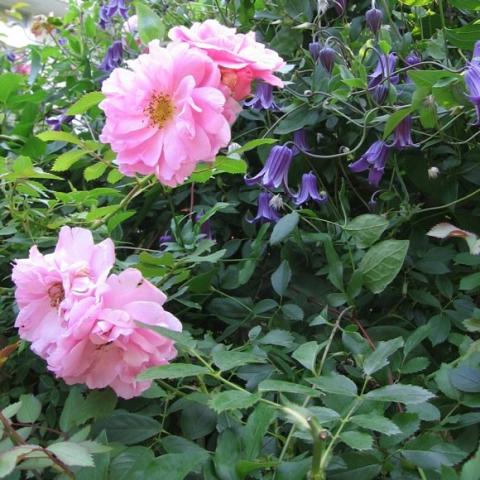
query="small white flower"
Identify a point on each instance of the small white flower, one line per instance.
(433, 172)
(276, 202)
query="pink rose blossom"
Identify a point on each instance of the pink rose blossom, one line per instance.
(47, 286)
(106, 347)
(166, 113)
(240, 57)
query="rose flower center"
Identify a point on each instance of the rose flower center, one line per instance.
(160, 109)
(56, 294)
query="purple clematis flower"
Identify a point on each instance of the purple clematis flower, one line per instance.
(275, 171)
(309, 190)
(373, 160)
(326, 57)
(57, 122)
(374, 19)
(300, 142)
(413, 59)
(113, 57)
(380, 93)
(472, 81)
(403, 134)
(110, 9)
(384, 70)
(263, 98)
(11, 57)
(266, 211)
(314, 49)
(340, 6)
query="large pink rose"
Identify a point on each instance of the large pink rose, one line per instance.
(166, 113)
(240, 57)
(106, 347)
(48, 286)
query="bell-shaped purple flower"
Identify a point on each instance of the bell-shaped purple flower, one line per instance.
(309, 190)
(263, 98)
(403, 134)
(379, 93)
(340, 6)
(300, 143)
(314, 49)
(107, 11)
(374, 19)
(275, 171)
(57, 122)
(384, 69)
(373, 160)
(326, 57)
(266, 212)
(113, 57)
(472, 81)
(11, 57)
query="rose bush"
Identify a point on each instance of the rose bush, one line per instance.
(239, 241)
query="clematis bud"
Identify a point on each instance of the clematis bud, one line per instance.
(326, 57)
(340, 6)
(314, 49)
(374, 19)
(413, 59)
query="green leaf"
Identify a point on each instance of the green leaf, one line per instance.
(127, 428)
(306, 355)
(230, 165)
(173, 370)
(281, 278)
(367, 229)
(470, 282)
(378, 423)
(255, 429)
(150, 26)
(430, 452)
(9, 82)
(382, 262)
(286, 387)
(357, 440)
(465, 378)
(464, 37)
(30, 409)
(336, 384)
(252, 144)
(232, 400)
(227, 359)
(335, 266)
(408, 394)
(72, 454)
(54, 136)
(467, 5)
(174, 466)
(471, 469)
(379, 357)
(428, 78)
(394, 119)
(86, 102)
(66, 160)
(416, 3)
(94, 171)
(284, 227)
(131, 464)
